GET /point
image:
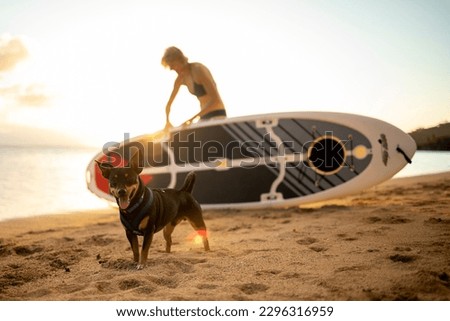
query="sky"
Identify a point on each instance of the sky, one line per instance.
(91, 70)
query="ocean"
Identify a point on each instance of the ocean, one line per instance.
(45, 180)
(50, 180)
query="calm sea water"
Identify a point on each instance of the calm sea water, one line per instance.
(426, 162)
(44, 180)
(48, 180)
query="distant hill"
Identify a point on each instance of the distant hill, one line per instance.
(434, 138)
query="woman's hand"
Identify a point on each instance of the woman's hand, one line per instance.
(190, 120)
(168, 126)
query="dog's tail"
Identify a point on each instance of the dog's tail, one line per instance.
(189, 182)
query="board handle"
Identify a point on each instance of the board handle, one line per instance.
(267, 197)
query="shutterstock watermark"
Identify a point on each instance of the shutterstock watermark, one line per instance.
(325, 154)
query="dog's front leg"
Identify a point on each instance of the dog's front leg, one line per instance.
(148, 237)
(133, 239)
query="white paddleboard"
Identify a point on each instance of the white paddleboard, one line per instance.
(268, 160)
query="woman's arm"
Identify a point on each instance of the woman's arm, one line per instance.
(176, 88)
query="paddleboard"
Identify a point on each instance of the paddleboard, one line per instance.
(268, 160)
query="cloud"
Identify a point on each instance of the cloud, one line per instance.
(32, 96)
(25, 96)
(12, 51)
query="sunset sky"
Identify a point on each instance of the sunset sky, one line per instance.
(91, 69)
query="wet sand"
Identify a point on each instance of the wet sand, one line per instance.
(390, 242)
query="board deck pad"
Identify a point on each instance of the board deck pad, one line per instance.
(266, 160)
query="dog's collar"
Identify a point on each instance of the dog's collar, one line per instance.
(138, 203)
(139, 211)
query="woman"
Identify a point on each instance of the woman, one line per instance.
(197, 78)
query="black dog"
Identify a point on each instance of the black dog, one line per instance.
(144, 211)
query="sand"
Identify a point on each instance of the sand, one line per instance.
(390, 242)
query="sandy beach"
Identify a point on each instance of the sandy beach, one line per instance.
(390, 242)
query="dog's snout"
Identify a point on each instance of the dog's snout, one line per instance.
(122, 192)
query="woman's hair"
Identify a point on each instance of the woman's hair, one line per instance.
(173, 54)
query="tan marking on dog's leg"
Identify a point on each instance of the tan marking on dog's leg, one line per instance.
(198, 224)
(144, 223)
(168, 229)
(148, 237)
(205, 242)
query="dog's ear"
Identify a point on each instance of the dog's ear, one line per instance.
(105, 168)
(135, 164)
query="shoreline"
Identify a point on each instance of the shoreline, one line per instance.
(390, 242)
(81, 214)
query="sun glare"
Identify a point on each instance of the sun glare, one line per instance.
(196, 237)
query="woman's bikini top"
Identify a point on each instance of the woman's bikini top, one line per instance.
(199, 90)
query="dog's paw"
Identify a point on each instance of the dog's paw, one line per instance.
(140, 266)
